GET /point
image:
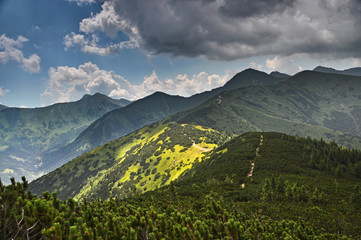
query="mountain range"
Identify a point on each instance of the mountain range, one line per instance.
(26, 133)
(150, 109)
(308, 104)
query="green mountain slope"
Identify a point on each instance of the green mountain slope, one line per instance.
(145, 111)
(144, 160)
(26, 133)
(308, 104)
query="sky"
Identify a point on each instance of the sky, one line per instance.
(59, 50)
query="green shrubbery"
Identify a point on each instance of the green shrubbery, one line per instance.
(24, 216)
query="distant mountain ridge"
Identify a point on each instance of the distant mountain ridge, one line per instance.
(26, 133)
(145, 111)
(351, 71)
(308, 104)
(2, 107)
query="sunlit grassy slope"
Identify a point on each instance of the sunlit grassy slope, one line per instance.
(144, 160)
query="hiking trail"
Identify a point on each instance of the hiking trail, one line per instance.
(253, 162)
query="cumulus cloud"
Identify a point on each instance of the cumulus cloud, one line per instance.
(10, 49)
(70, 83)
(106, 21)
(32, 64)
(90, 44)
(3, 92)
(256, 66)
(227, 29)
(283, 64)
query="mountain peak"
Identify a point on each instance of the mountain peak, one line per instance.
(250, 77)
(94, 96)
(324, 69)
(279, 74)
(86, 96)
(158, 94)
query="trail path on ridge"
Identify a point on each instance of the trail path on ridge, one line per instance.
(194, 143)
(253, 163)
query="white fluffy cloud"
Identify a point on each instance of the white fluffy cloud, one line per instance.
(283, 64)
(10, 49)
(70, 83)
(256, 66)
(32, 64)
(106, 21)
(3, 92)
(89, 44)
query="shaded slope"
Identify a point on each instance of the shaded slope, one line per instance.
(144, 160)
(308, 104)
(2, 107)
(26, 133)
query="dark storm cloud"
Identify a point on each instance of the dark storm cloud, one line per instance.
(250, 8)
(226, 30)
